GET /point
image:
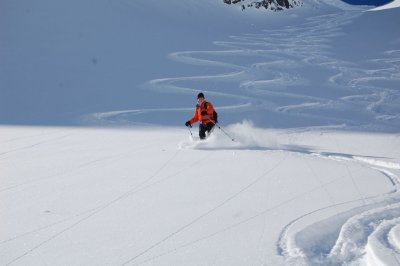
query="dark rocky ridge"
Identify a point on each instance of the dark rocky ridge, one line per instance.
(274, 5)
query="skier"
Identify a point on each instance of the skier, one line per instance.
(205, 114)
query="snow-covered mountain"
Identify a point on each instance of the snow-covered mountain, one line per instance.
(281, 5)
(275, 5)
(97, 167)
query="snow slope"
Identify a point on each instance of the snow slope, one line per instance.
(76, 196)
(96, 167)
(393, 4)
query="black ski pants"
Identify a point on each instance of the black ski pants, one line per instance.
(203, 128)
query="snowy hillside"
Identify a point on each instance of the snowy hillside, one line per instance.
(392, 4)
(97, 167)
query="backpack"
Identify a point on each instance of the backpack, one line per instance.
(215, 116)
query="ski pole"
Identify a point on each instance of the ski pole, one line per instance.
(190, 131)
(224, 132)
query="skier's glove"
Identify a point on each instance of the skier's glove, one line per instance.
(188, 124)
(204, 113)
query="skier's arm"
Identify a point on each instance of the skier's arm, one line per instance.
(195, 117)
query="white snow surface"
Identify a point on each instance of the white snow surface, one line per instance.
(96, 167)
(393, 4)
(151, 196)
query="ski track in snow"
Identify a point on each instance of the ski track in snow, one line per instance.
(367, 234)
(275, 84)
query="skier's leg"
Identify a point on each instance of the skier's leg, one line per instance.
(209, 128)
(202, 131)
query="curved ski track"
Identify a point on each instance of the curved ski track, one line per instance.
(368, 232)
(265, 71)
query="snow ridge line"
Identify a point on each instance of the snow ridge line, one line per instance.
(379, 250)
(372, 228)
(364, 230)
(394, 237)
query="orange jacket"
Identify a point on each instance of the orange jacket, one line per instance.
(203, 113)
